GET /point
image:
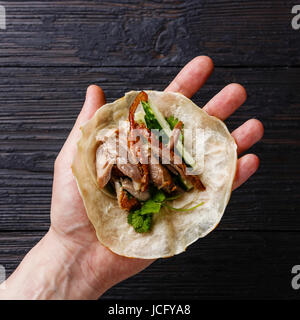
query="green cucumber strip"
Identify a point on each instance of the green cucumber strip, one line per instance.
(186, 183)
(166, 128)
(182, 209)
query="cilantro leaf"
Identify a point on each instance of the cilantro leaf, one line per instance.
(141, 223)
(150, 206)
(146, 224)
(141, 219)
(159, 196)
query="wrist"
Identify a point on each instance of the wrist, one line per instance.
(54, 269)
(71, 276)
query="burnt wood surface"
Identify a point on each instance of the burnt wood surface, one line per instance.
(151, 33)
(52, 50)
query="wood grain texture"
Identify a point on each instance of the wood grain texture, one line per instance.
(135, 32)
(224, 265)
(52, 50)
(39, 106)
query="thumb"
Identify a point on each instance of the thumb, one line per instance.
(95, 99)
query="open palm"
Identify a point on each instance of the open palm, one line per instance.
(68, 217)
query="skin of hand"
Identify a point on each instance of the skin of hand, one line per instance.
(69, 262)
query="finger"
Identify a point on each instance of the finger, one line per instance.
(192, 77)
(223, 104)
(246, 167)
(248, 134)
(95, 98)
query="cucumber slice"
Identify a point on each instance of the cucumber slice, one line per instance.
(188, 186)
(140, 117)
(166, 127)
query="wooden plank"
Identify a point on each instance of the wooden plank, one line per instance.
(151, 33)
(39, 106)
(225, 264)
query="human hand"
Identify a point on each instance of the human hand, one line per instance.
(92, 267)
(69, 218)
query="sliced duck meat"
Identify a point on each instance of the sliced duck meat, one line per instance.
(133, 161)
(125, 202)
(106, 155)
(130, 170)
(193, 179)
(144, 170)
(128, 185)
(116, 173)
(104, 164)
(171, 169)
(169, 157)
(137, 148)
(196, 182)
(161, 177)
(140, 152)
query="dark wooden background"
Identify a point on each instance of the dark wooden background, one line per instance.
(52, 50)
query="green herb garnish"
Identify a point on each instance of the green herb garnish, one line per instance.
(141, 223)
(150, 206)
(141, 219)
(159, 196)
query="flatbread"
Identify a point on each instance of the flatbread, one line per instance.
(172, 232)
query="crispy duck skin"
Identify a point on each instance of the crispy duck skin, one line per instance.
(123, 200)
(128, 204)
(134, 148)
(175, 135)
(144, 169)
(142, 96)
